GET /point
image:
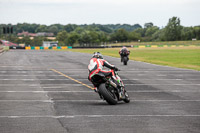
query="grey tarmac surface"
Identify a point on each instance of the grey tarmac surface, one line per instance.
(36, 99)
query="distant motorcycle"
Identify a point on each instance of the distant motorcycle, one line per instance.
(124, 57)
(108, 90)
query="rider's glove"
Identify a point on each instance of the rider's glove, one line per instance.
(116, 69)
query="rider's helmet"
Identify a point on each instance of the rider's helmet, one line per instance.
(124, 47)
(97, 55)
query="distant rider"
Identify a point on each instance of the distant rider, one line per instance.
(96, 66)
(124, 52)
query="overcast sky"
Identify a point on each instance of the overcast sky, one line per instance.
(99, 11)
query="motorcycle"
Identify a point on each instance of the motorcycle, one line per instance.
(108, 90)
(124, 57)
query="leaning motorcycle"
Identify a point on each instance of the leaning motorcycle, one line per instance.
(107, 88)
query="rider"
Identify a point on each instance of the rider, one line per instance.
(124, 51)
(96, 66)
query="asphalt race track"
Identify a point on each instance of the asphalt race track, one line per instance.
(40, 93)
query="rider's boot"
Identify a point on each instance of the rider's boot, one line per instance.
(121, 92)
(97, 91)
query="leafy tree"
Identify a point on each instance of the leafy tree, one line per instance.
(85, 38)
(187, 33)
(62, 37)
(141, 31)
(73, 38)
(41, 28)
(94, 37)
(151, 30)
(148, 25)
(159, 35)
(53, 29)
(103, 37)
(79, 30)
(104, 28)
(120, 35)
(59, 26)
(133, 36)
(70, 27)
(173, 29)
(37, 41)
(196, 32)
(26, 40)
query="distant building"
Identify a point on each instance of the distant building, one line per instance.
(36, 34)
(26, 34)
(51, 38)
(50, 43)
(45, 34)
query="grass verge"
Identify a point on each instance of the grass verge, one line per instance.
(181, 57)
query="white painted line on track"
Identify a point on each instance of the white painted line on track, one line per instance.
(12, 66)
(35, 75)
(37, 85)
(133, 100)
(93, 116)
(33, 85)
(46, 91)
(51, 87)
(143, 91)
(26, 79)
(51, 101)
(45, 101)
(165, 100)
(43, 79)
(20, 85)
(161, 75)
(63, 85)
(160, 84)
(186, 71)
(123, 79)
(22, 71)
(32, 75)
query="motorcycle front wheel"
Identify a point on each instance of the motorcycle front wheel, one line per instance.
(127, 99)
(108, 95)
(125, 60)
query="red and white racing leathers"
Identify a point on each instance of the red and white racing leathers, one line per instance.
(96, 66)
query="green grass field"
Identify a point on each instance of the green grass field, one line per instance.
(182, 57)
(158, 43)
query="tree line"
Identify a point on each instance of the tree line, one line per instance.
(97, 34)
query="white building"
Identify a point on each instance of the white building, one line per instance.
(50, 44)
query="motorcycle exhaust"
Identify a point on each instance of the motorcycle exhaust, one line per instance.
(113, 84)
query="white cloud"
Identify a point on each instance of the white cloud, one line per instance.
(107, 1)
(99, 11)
